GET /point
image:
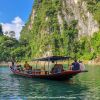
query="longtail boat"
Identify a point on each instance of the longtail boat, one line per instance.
(60, 75)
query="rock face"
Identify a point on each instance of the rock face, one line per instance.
(49, 17)
(32, 19)
(74, 10)
(78, 11)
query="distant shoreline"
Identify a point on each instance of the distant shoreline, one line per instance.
(4, 64)
(32, 63)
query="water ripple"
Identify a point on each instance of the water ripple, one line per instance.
(82, 87)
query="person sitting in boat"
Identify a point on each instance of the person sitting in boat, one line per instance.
(58, 68)
(27, 67)
(82, 66)
(75, 65)
(13, 66)
(19, 67)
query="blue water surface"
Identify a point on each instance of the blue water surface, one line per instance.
(85, 86)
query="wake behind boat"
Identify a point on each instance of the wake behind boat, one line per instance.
(55, 73)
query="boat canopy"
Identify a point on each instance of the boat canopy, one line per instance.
(52, 58)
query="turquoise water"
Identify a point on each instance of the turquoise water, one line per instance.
(85, 86)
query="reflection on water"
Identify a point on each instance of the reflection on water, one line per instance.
(82, 87)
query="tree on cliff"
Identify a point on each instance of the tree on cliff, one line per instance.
(1, 32)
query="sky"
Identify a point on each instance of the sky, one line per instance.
(14, 14)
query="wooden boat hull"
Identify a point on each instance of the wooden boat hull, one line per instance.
(65, 75)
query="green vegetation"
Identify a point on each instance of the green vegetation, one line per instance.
(1, 32)
(12, 49)
(45, 35)
(88, 47)
(94, 7)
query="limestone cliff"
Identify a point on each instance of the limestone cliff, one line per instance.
(73, 10)
(46, 26)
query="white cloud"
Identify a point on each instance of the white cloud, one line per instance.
(15, 25)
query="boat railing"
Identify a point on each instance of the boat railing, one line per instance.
(39, 72)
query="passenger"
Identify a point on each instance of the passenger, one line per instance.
(13, 63)
(82, 66)
(62, 69)
(58, 68)
(75, 65)
(13, 66)
(19, 67)
(27, 67)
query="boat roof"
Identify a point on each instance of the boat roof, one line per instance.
(52, 58)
